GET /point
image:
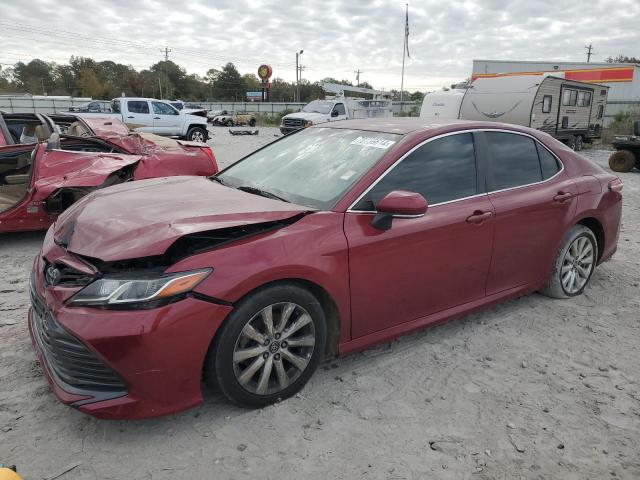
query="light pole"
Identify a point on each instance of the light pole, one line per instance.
(297, 95)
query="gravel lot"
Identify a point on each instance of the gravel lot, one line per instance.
(534, 388)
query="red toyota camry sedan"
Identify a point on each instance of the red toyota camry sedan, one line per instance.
(322, 243)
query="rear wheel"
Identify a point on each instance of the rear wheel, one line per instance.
(269, 347)
(229, 123)
(574, 264)
(197, 134)
(571, 143)
(622, 161)
(252, 122)
(578, 143)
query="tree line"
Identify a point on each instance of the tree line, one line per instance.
(85, 77)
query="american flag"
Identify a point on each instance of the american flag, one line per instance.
(406, 31)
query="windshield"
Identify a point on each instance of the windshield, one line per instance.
(314, 167)
(318, 106)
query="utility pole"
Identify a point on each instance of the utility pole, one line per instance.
(589, 53)
(358, 72)
(296, 96)
(166, 59)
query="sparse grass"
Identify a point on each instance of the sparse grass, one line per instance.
(272, 120)
(622, 125)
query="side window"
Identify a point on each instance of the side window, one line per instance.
(584, 98)
(161, 108)
(137, 106)
(115, 106)
(339, 107)
(514, 160)
(548, 163)
(600, 111)
(569, 97)
(440, 170)
(546, 103)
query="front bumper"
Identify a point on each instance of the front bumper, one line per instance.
(158, 355)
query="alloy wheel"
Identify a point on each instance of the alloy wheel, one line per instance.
(274, 348)
(577, 265)
(197, 137)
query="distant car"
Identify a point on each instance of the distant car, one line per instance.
(188, 108)
(92, 107)
(231, 118)
(322, 243)
(40, 179)
(212, 114)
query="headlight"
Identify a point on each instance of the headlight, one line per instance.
(308, 123)
(118, 291)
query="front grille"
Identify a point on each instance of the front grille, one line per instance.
(67, 357)
(65, 276)
(293, 122)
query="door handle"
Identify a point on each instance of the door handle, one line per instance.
(156, 118)
(130, 116)
(562, 197)
(479, 216)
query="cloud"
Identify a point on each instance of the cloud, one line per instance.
(338, 37)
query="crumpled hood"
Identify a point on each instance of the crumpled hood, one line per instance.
(144, 218)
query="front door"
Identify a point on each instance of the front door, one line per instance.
(166, 120)
(428, 264)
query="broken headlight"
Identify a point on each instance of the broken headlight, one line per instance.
(114, 291)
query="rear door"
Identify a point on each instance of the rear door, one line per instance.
(427, 264)
(138, 116)
(534, 201)
(167, 120)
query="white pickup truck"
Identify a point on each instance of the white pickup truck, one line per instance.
(338, 107)
(156, 116)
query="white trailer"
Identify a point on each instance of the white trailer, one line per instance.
(568, 110)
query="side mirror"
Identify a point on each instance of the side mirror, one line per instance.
(395, 203)
(334, 113)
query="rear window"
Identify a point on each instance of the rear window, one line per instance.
(514, 160)
(548, 163)
(137, 106)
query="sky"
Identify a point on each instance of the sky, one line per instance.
(338, 36)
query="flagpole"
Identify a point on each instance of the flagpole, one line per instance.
(404, 51)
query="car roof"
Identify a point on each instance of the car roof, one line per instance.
(405, 125)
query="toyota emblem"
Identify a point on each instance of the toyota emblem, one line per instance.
(52, 275)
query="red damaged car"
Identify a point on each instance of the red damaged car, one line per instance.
(40, 180)
(322, 243)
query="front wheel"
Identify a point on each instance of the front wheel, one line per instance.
(574, 264)
(578, 143)
(571, 143)
(269, 346)
(229, 123)
(197, 134)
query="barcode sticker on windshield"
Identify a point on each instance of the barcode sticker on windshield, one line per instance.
(373, 142)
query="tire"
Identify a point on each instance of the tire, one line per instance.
(252, 122)
(571, 143)
(244, 351)
(229, 123)
(197, 134)
(622, 161)
(578, 143)
(576, 244)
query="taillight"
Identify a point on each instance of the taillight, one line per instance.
(209, 153)
(616, 185)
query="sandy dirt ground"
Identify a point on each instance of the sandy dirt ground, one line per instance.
(532, 389)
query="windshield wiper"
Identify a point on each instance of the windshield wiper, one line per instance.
(263, 193)
(217, 179)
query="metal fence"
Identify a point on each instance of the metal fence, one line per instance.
(57, 105)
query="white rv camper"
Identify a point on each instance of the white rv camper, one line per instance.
(442, 104)
(569, 110)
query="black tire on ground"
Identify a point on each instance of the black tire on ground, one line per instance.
(252, 122)
(229, 123)
(222, 366)
(571, 143)
(578, 143)
(197, 134)
(554, 287)
(622, 161)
